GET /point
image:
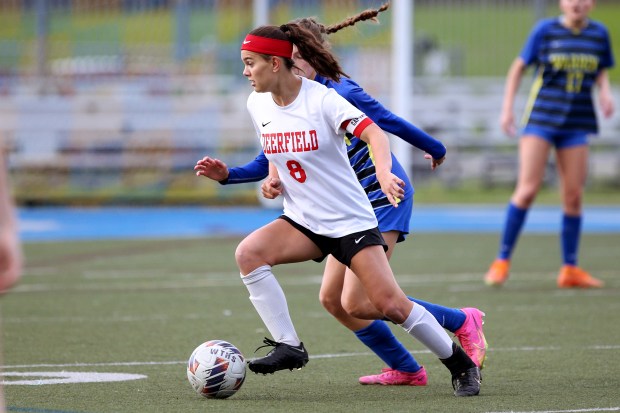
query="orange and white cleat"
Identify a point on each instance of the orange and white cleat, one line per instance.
(498, 273)
(572, 276)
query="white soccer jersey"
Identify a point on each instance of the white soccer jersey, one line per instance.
(305, 142)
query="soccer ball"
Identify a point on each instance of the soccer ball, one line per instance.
(216, 369)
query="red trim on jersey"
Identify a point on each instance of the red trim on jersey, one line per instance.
(265, 45)
(359, 128)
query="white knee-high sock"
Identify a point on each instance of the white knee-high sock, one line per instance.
(424, 327)
(270, 303)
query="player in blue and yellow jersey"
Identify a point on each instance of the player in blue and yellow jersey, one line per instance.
(571, 55)
(466, 323)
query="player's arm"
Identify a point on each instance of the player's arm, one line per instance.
(513, 80)
(391, 185)
(253, 171)
(528, 56)
(217, 170)
(605, 97)
(390, 122)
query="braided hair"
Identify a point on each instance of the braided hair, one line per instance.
(369, 14)
(321, 31)
(310, 37)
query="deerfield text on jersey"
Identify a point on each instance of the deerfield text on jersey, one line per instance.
(282, 142)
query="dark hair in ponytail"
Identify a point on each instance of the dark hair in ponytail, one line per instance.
(310, 37)
(313, 51)
(321, 31)
(369, 14)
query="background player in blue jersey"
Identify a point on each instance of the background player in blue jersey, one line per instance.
(466, 323)
(571, 55)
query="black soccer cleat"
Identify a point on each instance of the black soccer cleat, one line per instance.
(467, 383)
(282, 356)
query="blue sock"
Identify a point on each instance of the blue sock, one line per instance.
(571, 232)
(450, 318)
(515, 217)
(380, 339)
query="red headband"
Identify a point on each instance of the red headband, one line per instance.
(265, 45)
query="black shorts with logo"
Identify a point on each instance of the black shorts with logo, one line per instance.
(345, 248)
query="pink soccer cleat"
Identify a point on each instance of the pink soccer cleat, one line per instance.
(471, 336)
(391, 377)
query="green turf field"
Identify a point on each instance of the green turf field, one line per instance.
(141, 307)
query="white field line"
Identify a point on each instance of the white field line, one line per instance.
(230, 312)
(156, 280)
(317, 356)
(594, 409)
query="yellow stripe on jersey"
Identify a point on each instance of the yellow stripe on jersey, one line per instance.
(533, 94)
(372, 158)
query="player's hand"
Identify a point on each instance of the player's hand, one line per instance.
(272, 188)
(606, 102)
(434, 162)
(507, 123)
(392, 186)
(211, 168)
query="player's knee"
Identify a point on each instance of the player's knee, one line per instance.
(525, 197)
(572, 202)
(391, 310)
(330, 302)
(335, 309)
(246, 257)
(356, 308)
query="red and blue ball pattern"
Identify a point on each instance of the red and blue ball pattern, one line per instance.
(216, 369)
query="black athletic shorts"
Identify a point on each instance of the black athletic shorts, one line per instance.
(345, 248)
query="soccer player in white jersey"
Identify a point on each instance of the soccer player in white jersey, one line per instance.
(339, 288)
(301, 126)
